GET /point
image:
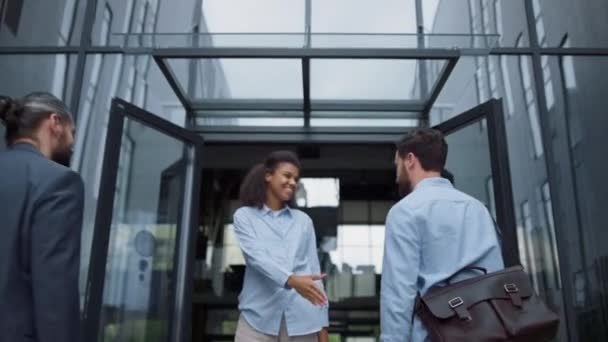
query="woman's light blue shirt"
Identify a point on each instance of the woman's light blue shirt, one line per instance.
(277, 245)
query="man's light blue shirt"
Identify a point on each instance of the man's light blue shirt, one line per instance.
(431, 234)
(277, 245)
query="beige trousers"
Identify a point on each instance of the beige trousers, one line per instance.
(246, 333)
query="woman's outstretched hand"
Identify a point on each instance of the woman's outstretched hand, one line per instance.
(305, 286)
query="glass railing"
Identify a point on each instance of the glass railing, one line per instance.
(468, 42)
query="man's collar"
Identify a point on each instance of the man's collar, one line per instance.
(23, 146)
(433, 181)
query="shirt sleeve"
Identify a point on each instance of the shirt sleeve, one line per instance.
(256, 256)
(313, 256)
(399, 275)
(55, 248)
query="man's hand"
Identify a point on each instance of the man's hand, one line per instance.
(305, 286)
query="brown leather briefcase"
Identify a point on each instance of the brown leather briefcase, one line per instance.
(498, 306)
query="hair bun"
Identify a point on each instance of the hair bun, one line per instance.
(9, 109)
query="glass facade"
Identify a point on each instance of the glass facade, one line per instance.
(27, 23)
(545, 59)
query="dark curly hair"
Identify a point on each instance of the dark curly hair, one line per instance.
(253, 188)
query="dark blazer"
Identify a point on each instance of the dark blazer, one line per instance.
(41, 205)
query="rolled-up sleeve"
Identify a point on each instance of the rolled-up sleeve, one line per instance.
(256, 255)
(399, 275)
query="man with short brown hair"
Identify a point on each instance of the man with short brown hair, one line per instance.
(431, 234)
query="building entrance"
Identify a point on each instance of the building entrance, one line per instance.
(164, 265)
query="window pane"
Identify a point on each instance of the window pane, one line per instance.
(581, 111)
(469, 161)
(506, 18)
(354, 236)
(508, 91)
(107, 76)
(377, 235)
(567, 65)
(319, 192)
(355, 256)
(143, 19)
(239, 78)
(23, 74)
(45, 23)
(531, 104)
(583, 21)
(140, 268)
(365, 79)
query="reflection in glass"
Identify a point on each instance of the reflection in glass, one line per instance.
(525, 67)
(137, 298)
(49, 23)
(550, 266)
(581, 104)
(542, 42)
(23, 74)
(28, 73)
(529, 245)
(469, 162)
(508, 91)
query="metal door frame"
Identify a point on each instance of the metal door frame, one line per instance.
(180, 321)
(501, 172)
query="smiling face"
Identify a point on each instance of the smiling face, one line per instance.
(283, 181)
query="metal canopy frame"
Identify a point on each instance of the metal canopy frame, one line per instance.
(302, 108)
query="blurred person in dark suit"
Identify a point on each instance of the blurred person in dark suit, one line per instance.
(41, 206)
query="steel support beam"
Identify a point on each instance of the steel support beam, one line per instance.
(337, 53)
(315, 105)
(173, 83)
(306, 90)
(299, 130)
(444, 75)
(302, 137)
(317, 115)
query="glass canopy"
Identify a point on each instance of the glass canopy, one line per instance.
(306, 82)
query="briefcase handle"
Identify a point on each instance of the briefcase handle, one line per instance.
(466, 268)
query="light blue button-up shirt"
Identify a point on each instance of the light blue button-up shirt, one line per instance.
(277, 245)
(431, 234)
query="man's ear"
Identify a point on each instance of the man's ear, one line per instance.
(410, 159)
(55, 118)
(56, 123)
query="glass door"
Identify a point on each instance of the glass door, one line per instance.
(479, 163)
(139, 284)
